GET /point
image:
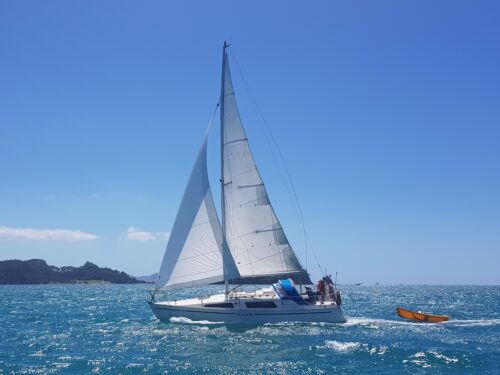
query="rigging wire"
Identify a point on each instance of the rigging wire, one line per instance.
(297, 203)
(211, 120)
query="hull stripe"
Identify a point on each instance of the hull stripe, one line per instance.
(245, 314)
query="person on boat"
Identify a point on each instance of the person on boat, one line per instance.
(338, 300)
(328, 279)
(320, 290)
(311, 295)
(320, 287)
(331, 292)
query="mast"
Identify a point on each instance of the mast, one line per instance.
(264, 249)
(223, 202)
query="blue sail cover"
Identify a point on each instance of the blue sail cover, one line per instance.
(286, 290)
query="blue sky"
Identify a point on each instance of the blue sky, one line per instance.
(386, 112)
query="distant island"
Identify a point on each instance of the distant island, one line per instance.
(148, 279)
(37, 271)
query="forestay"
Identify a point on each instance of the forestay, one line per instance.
(195, 253)
(253, 232)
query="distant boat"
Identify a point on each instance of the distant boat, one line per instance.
(249, 244)
(357, 284)
(421, 316)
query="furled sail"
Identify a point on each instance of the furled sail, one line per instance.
(195, 253)
(253, 232)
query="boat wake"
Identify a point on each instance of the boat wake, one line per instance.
(183, 320)
(473, 322)
(375, 323)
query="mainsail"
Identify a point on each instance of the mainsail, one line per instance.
(253, 232)
(196, 253)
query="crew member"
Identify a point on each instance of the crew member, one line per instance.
(320, 290)
(338, 300)
(331, 292)
(320, 287)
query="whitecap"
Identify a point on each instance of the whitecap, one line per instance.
(61, 365)
(376, 350)
(383, 350)
(419, 359)
(418, 355)
(438, 355)
(342, 346)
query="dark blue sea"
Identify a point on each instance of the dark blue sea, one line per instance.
(109, 329)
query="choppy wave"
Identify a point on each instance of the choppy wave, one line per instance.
(110, 329)
(342, 346)
(349, 346)
(431, 358)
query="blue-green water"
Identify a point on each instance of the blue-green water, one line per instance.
(110, 329)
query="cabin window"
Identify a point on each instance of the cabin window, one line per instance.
(222, 304)
(261, 305)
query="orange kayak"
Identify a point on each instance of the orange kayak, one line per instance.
(421, 316)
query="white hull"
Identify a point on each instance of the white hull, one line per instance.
(247, 310)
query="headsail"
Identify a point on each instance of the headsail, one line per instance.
(195, 253)
(253, 232)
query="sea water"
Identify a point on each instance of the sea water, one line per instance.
(109, 329)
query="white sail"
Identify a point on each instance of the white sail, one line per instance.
(195, 253)
(201, 250)
(253, 232)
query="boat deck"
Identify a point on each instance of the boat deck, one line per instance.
(258, 295)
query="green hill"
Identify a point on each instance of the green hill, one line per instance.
(37, 271)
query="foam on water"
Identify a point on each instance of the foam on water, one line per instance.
(473, 322)
(376, 323)
(342, 346)
(189, 321)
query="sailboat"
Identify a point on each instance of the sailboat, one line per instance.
(247, 245)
